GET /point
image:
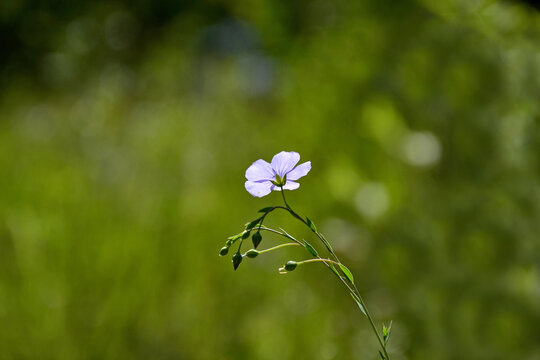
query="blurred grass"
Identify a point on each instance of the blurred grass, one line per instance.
(125, 133)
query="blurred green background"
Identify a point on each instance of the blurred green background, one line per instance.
(126, 129)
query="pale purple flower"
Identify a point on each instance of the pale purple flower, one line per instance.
(263, 177)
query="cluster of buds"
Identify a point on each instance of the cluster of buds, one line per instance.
(256, 239)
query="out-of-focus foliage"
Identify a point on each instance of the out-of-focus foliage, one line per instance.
(125, 131)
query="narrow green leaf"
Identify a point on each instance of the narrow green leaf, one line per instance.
(232, 239)
(359, 304)
(386, 332)
(311, 225)
(235, 237)
(347, 272)
(382, 356)
(287, 234)
(250, 225)
(266, 209)
(311, 249)
(326, 243)
(334, 270)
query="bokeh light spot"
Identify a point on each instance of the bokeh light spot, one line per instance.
(421, 149)
(372, 200)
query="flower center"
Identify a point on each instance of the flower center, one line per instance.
(280, 181)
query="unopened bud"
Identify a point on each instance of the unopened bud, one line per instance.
(224, 251)
(252, 253)
(256, 239)
(291, 265)
(236, 260)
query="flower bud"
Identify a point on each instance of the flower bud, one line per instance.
(252, 253)
(229, 243)
(256, 239)
(245, 235)
(291, 265)
(236, 260)
(224, 250)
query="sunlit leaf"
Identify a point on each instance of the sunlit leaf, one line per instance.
(334, 270)
(311, 225)
(311, 249)
(235, 237)
(347, 272)
(386, 332)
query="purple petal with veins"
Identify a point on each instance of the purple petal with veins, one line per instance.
(260, 170)
(284, 162)
(299, 171)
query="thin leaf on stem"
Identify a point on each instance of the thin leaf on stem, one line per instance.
(311, 249)
(359, 304)
(347, 272)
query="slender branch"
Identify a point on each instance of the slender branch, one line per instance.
(354, 289)
(269, 211)
(240, 245)
(317, 260)
(283, 194)
(282, 234)
(368, 315)
(278, 246)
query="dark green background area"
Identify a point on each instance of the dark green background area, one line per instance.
(126, 129)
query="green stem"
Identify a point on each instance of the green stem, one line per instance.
(354, 289)
(284, 200)
(316, 260)
(371, 322)
(240, 245)
(281, 233)
(277, 247)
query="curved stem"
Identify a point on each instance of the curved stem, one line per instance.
(277, 247)
(282, 234)
(316, 260)
(269, 211)
(352, 289)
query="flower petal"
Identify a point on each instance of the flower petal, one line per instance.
(260, 170)
(284, 162)
(299, 171)
(259, 189)
(290, 185)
